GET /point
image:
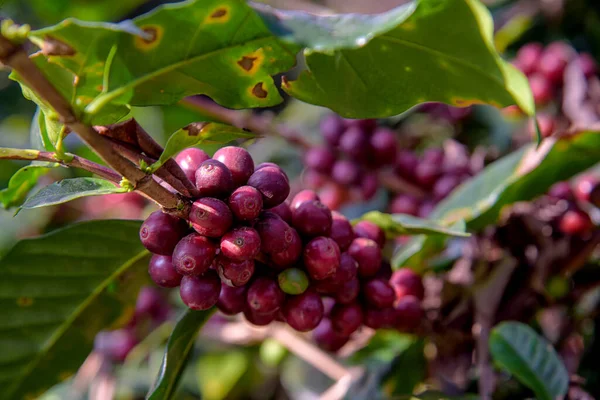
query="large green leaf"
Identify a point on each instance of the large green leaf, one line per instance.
(20, 185)
(520, 176)
(56, 292)
(179, 347)
(197, 134)
(51, 12)
(216, 47)
(70, 189)
(518, 349)
(331, 32)
(443, 52)
(402, 224)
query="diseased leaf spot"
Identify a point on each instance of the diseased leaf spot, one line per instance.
(219, 15)
(259, 91)
(221, 12)
(24, 301)
(246, 62)
(195, 128)
(250, 63)
(154, 34)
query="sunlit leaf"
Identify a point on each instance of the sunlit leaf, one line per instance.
(70, 189)
(387, 75)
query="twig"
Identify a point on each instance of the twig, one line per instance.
(135, 157)
(131, 133)
(339, 389)
(75, 161)
(308, 352)
(487, 299)
(244, 119)
(15, 57)
(396, 184)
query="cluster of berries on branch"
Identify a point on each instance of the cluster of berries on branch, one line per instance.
(546, 68)
(359, 157)
(246, 250)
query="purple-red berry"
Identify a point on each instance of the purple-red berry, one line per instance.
(272, 183)
(304, 311)
(163, 272)
(194, 254)
(321, 257)
(161, 232)
(312, 218)
(200, 292)
(210, 217)
(213, 179)
(240, 244)
(238, 161)
(367, 254)
(234, 273)
(189, 161)
(264, 296)
(246, 203)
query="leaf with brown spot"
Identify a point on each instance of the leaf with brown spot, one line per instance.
(247, 62)
(195, 135)
(145, 70)
(259, 91)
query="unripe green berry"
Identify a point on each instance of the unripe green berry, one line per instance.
(293, 281)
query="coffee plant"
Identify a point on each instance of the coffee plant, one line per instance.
(223, 199)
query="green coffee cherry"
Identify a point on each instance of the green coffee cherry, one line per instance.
(293, 281)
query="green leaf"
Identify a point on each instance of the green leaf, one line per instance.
(179, 347)
(49, 127)
(78, 92)
(58, 291)
(70, 189)
(196, 134)
(519, 350)
(39, 134)
(427, 57)
(51, 12)
(520, 176)
(20, 185)
(402, 224)
(331, 32)
(220, 48)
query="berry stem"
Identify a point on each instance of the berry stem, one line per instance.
(14, 56)
(74, 162)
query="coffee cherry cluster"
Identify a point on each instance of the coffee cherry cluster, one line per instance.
(436, 172)
(249, 251)
(545, 69)
(356, 150)
(574, 200)
(151, 310)
(353, 151)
